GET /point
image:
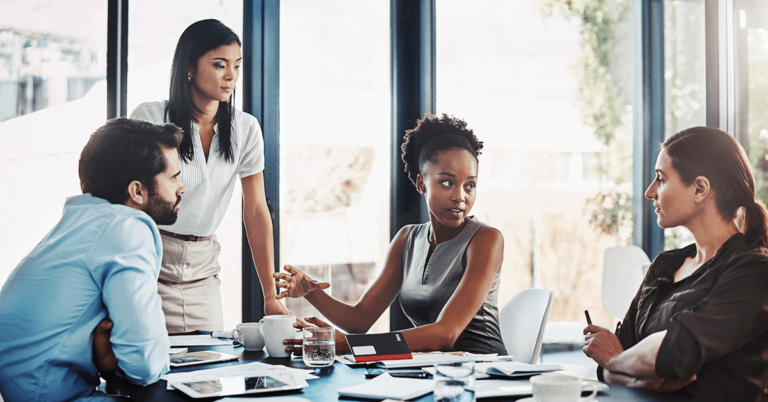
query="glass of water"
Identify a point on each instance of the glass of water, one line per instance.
(319, 346)
(455, 382)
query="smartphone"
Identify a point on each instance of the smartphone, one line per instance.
(374, 372)
(410, 373)
(403, 373)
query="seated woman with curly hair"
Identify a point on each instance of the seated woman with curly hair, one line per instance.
(446, 271)
(699, 322)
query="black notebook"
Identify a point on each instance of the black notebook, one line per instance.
(375, 347)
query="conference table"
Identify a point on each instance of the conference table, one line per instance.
(330, 380)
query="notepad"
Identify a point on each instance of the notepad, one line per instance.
(197, 340)
(388, 387)
(514, 369)
(430, 359)
(505, 388)
(376, 347)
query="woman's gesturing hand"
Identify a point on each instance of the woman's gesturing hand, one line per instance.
(296, 283)
(601, 345)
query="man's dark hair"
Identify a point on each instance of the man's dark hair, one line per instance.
(124, 150)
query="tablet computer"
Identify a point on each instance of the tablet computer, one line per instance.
(203, 357)
(235, 386)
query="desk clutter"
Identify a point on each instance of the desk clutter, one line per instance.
(492, 376)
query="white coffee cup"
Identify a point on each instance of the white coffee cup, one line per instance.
(276, 329)
(556, 387)
(249, 334)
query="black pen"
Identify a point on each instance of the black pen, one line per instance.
(589, 320)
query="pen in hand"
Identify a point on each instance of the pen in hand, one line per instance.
(589, 320)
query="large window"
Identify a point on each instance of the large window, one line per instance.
(52, 96)
(751, 86)
(685, 80)
(548, 86)
(154, 29)
(334, 144)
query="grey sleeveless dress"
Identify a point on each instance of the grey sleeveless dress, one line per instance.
(427, 287)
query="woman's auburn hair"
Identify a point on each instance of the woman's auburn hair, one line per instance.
(716, 155)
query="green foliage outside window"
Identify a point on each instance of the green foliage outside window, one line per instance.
(605, 73)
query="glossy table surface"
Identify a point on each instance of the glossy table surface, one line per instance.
(331, 380)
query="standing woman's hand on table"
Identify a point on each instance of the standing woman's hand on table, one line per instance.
(297, 284)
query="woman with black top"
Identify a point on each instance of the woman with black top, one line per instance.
(699, 323)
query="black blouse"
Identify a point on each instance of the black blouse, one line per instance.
(716, 321)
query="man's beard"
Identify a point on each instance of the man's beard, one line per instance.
(161, 211)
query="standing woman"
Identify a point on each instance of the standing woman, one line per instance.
(219, 145)
(446, 271)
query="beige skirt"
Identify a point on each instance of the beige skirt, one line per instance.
(189, 285)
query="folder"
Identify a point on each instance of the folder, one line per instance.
(376, 347)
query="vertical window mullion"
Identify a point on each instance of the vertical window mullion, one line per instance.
(261, 86)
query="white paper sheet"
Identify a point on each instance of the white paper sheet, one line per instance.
(501, 388)
(386, 386)
(241, 370)
(514, 368)
(267, 399)
(197, 340)
(430, 359)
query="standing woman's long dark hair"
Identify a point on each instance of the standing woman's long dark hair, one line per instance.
(197, 40)
(714, 154)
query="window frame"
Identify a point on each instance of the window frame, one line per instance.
(413, 94)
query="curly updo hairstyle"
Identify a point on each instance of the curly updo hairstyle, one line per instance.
(433, 135)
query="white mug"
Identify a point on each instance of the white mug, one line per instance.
(250, 335)
(276, 329)
(556, 387)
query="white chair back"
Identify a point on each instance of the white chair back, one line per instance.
(623, 272)
(522, 322)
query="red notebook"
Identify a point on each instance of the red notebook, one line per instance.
(375, 347)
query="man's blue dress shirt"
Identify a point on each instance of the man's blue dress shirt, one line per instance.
(100, 260)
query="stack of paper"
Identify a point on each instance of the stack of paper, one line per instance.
(505, 388)
(424, 359)
(514, 369)
(430, 359)
(197, 340)
(289, 375)
(388, 387)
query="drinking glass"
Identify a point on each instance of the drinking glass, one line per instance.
(455, 382)
(319, 347)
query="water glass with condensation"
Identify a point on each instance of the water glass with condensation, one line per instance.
(455, 382)
(319, 346)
